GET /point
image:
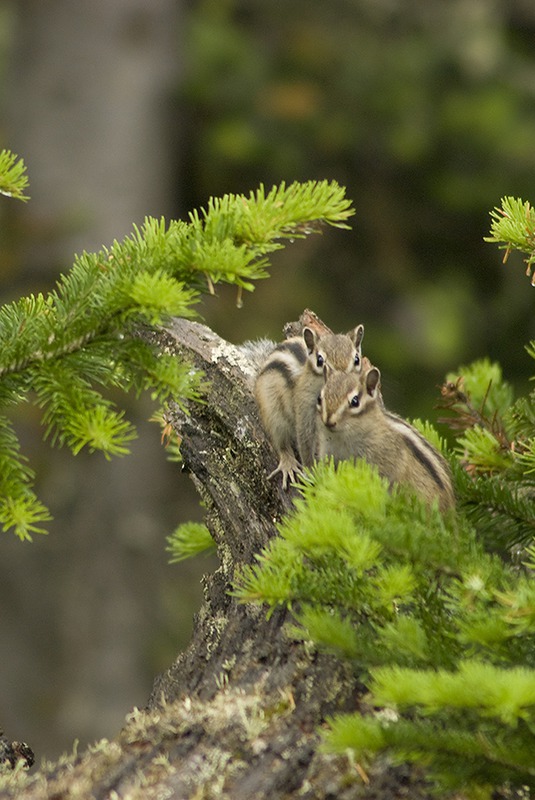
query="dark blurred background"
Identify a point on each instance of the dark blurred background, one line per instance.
(424, 110)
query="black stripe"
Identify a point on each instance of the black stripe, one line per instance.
(295, 348)
(424, 460)
(276, 365)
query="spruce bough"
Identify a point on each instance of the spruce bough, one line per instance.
(435, 614)
(64, 349)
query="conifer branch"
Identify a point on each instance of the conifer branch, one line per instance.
(13, 178)
(495, 447)
(513, 228)
(440, 631)
(502, 509)
(64, 349)
(189, 539)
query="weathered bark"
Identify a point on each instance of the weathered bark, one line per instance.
(237, 715)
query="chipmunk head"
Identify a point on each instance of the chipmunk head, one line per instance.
(347, 395)
(341, 351)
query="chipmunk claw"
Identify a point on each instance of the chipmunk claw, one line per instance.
(290, 469)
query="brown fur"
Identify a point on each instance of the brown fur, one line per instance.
(353, 423)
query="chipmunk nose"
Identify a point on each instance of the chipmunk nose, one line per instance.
(330, 423)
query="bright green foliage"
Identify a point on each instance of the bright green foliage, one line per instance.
(235, 231)
(495, 449)
(61, 350)
(431, 434)
(483, 382)
(13, 178)
(513, 228)
(441, 631)
(19, 507)
(474, 725)
(188, 540)
(482, 451)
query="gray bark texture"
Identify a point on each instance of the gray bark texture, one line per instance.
(239, 713)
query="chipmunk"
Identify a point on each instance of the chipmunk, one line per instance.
(355, 424)
(287, 386)
(337, 352)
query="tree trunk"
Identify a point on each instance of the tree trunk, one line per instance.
(238, 714)
(89, 102)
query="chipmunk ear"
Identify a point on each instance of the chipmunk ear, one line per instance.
(327, 370)
(357, 334)
(373, 381)
(310, 337)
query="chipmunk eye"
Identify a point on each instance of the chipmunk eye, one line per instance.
(320, 361)
(318, 401)
(357, 359)
(355, 401)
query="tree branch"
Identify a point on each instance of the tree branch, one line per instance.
(237, 714)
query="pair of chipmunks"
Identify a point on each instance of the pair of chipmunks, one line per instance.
(319, 397)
